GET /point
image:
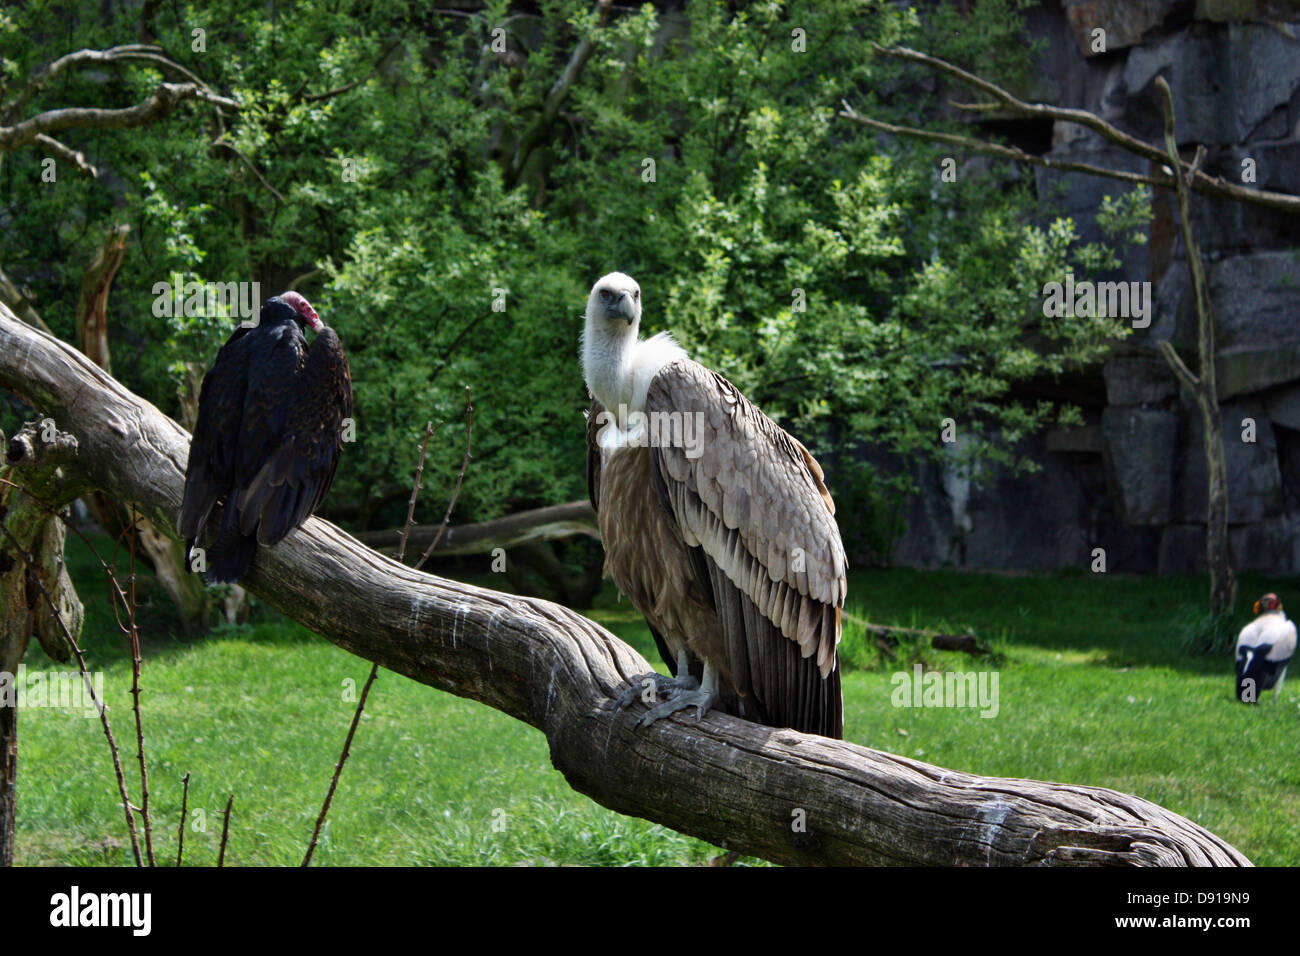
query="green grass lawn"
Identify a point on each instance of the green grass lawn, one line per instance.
(1093, 690)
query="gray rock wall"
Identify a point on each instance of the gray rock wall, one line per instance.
(1133, 481)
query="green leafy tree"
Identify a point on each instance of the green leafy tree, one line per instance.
(446, 187)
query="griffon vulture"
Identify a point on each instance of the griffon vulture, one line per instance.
(1264, 648)
(717, 525)
(268, 435)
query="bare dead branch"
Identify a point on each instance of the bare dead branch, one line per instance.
(118, 771)
(374, 668)
(330, 94)
(46, 73)
(469, 434)
(136, 660)
(415, 491)
(721, 779)
(1199, 181)
(56, 149)
(889, 634)
(13, 297)
(225, 832)
(1013, 153)
(180, 831)
(163, 101)
(511, 531)
(338, 767)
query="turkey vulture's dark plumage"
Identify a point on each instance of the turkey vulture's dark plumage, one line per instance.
(267, 440)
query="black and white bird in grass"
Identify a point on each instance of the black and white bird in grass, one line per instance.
(1264, 648)
(267, 440)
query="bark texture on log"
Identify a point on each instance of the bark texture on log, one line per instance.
(778, 794)
(165, 554)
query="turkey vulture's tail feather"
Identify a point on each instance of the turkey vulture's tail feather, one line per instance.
(231, 554)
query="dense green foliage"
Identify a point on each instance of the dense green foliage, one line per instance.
(832, 274)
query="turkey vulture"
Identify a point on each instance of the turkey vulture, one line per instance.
(267, 440)
(1264, 648)
(717, 525)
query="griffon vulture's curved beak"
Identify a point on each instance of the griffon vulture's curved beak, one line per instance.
(622, 308)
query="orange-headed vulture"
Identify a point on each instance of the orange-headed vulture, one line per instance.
(1264, 648)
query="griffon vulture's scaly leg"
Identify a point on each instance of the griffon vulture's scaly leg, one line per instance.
(702, 700)
(663, 686)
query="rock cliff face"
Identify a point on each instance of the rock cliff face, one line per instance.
(1133, 480)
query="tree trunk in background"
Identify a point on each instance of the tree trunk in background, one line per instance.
(1184, 177)
(1204, 387)
(1223, 582)
(165, 554)
(92, 307)
(13, 297)
(31, 463)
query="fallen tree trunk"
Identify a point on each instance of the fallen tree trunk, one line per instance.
(778, 794)
(887, 636)
(511, 531)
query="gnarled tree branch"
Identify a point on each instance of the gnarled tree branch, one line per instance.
(725, 780)
(1007, 104)
(164, 99)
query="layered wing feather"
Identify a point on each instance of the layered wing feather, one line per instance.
(754, 501)
(214, 448)
(267, 440)
(292, 463)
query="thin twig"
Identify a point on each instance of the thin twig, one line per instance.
(67, 154)
(136, 660)
(251, 168)
(1006, 152)
(225, 832)
(415, 491)
(469, 434)
(1197, 180)
(338, 767)
(329, 94)
(85, 676)
(374, 668)
(180, 831)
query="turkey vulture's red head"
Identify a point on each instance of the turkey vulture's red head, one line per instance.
(303, 308)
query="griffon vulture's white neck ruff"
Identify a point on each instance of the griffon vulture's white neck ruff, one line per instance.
(719, 529)
(618, 366)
